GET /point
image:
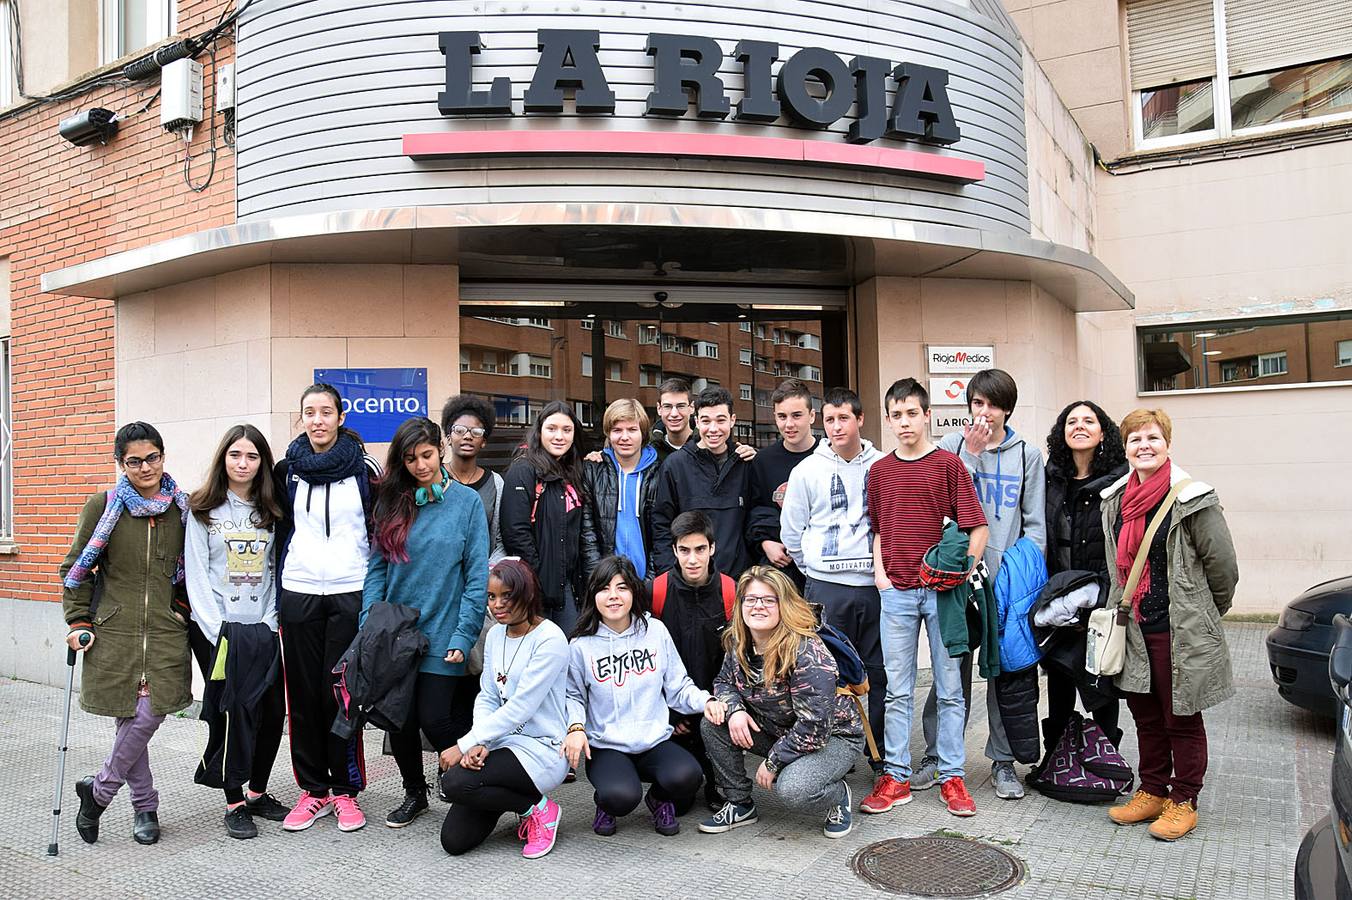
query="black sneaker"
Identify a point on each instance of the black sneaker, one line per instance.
(265, 806)
(732, 815)
(240, 824)
(87, 819)
(414, 805)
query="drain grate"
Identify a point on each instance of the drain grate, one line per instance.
(938, 867)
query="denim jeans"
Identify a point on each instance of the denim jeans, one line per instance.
(902, 614)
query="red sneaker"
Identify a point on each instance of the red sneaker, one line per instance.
(887, 793)
(955, 794)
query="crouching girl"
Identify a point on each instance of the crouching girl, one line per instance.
(510, 760)
(779, 683)
(624, 679)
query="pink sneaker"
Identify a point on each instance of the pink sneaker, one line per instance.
(350, 816)
(539, 829)
(307, 809)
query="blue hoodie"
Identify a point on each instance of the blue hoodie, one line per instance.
(628, 527)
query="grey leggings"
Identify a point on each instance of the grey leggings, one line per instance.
(811, 784)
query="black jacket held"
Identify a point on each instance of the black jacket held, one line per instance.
(377, 674)
(253, 665)
(541, 522)
(1074, 521)
(691, 479)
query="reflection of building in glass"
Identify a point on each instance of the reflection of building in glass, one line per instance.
(522, 363)
(1248, 355)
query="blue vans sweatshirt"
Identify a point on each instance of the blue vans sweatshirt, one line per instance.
(445, 577)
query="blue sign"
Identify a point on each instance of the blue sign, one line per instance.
(378, 401)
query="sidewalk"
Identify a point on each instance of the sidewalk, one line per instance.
(1268, 782)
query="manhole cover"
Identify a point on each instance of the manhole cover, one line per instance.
(938, 867)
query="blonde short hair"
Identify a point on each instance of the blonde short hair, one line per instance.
(626, 410)
(1144, 418)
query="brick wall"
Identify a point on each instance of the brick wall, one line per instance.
(64, 205)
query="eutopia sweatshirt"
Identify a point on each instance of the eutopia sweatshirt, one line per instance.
(1011, 485)
(621, 686)
(824, 523)
(228, 566)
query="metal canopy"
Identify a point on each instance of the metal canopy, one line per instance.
(642, 244)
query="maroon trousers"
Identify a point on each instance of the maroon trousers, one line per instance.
(1173, 747)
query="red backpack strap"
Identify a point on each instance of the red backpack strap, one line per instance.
(729, 595)
(659, 594)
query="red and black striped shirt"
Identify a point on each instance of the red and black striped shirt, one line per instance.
(907, 503)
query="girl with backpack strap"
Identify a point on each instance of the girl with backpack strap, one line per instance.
(624, 679)
(323, 545)
(542, 506)
(779, 681)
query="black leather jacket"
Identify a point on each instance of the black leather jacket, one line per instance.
(602, 484)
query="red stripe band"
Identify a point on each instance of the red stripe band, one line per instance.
(730, 146)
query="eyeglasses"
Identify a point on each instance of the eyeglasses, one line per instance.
(135, 462)
(461, 431)
(766, 602)
(674, 407)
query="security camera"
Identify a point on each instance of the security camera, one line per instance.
(92, 126)
(660, 296)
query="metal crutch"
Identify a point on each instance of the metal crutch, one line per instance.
(61, 748)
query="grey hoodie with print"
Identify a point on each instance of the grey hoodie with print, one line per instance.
(621, 686)
(1011, 484)
(824, 523)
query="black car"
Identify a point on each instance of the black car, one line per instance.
(1298, 648)
(1324, 860)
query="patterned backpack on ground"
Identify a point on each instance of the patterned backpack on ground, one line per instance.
(1083, 767)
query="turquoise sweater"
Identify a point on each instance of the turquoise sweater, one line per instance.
(445, 578)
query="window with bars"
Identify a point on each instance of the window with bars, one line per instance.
(1207, 69)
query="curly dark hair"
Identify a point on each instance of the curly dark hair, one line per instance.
(468, 404)
(1109, 457)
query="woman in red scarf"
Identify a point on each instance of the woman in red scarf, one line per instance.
(1177, 663)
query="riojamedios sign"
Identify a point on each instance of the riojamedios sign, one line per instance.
(568, 62)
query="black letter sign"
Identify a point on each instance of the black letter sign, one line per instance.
(458, 99)
(922, 111)
(870, 89)
(680, 61)
(758, 103)
(554, 73)
(803, 107)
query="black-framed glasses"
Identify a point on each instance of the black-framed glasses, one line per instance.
(766, 601)
(136, 462)
(462, 430)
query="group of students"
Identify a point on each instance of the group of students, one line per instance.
(647, 614)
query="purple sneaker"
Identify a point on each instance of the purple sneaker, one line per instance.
(664, 815)
(604, 823)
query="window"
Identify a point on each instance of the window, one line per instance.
(587, 324)
(583, 409)
(746, 392)
(1272, 363)
(586, 365)
(647, 334)
(129, 25)
(614, 329)
(707, 349)
(763, 399)
(614, 371)
(760, 332)
(744, 356)
(536, 323)
(488, 361)
(809, 342)
(649, 376)
(762, 364)
(698, 385)
(1285, 350)
(8, 83)
(743, 433)
(744, 326)
(464, 361)
(541, 367)
(809, 373)
(1205, 69)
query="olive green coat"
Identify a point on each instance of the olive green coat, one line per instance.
(137, 635)
(1202, 578)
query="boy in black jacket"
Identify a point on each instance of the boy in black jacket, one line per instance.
(794, 417)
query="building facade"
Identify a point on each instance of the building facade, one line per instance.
(1108, 198)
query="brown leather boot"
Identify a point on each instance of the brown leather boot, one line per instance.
(1142, 807)
(1177, 820)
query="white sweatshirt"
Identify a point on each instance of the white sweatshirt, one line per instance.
(229, 569)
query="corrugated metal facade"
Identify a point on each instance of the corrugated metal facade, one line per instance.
(327, 89)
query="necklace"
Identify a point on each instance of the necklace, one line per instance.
(502, 676)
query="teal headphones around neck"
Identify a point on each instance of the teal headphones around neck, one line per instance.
(433, 494)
